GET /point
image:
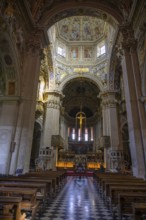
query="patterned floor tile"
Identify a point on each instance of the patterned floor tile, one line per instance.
(78, 200)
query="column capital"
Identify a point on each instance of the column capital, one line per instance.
(129, 43)
(33, 42)
(54, 99)
(109, 98)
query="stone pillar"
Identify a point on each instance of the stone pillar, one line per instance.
(52, 119)
(135, 108)
(110, 125)
(52, 122)
(31, 69)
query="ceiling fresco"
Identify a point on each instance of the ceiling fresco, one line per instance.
(81, 28)
(79, 37)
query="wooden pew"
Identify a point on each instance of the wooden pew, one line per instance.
(13, 203)
(115, 190)
(28, 195)
(138, 210)
(130, 182)
(116, 178)
(48, 182)
(107, 176)
(39, 178)
(126, 200)
(41, 187)
(57, 176)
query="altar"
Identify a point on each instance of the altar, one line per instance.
(83, 162)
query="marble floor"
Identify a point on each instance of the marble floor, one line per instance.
(78, 200)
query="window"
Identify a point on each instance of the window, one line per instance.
(101, 49)
(73, 134)
(86, 134)
(79, 134)
(61, 51)
(91, 133)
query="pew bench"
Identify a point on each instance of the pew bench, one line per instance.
(27, 181)
(28, 195)
(126, 201)
(139, 209)
(114, 183)
(10, 203)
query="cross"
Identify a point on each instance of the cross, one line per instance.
(81, 118)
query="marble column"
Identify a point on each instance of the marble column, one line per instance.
(31, 69)
(135, 108)
(52, 123)
(111, 127)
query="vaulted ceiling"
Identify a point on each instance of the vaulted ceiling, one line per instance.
(81, 35)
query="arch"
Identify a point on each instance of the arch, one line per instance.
(73, 8)
(96, 81)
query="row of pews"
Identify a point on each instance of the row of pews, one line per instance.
(25, 194)
(124, 194)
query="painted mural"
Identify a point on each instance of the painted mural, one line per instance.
(88, 52)
(81, 28)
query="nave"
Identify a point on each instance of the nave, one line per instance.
(78, 200)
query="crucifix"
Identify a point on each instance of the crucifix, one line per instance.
(81, 116)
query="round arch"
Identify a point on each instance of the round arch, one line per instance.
(74, 8)
(96, 81)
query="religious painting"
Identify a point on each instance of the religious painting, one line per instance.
(75, 30)
(87, 33)
(74, 52)
(11, 88)
(88, 52)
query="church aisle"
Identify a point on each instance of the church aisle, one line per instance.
(78, 200)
